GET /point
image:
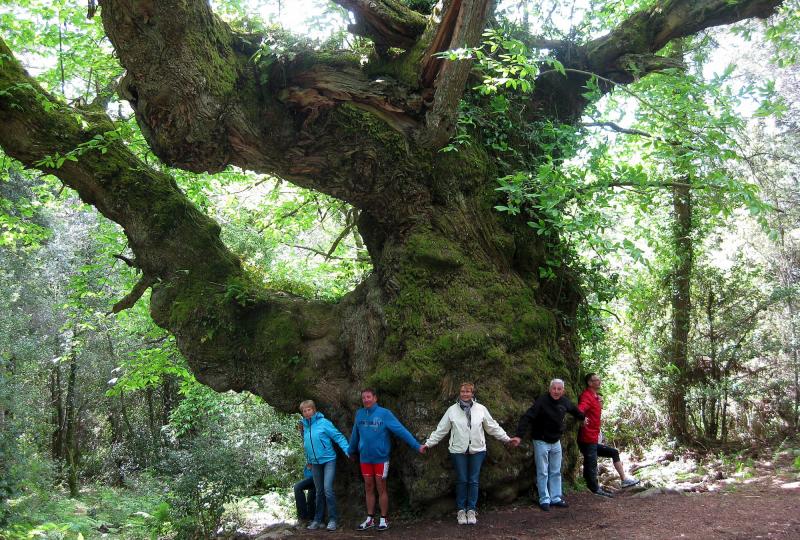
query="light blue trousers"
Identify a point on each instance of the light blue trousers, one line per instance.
(548, 471)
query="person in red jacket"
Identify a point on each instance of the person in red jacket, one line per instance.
(591, 404)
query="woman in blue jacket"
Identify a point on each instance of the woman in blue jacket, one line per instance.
(319, 435)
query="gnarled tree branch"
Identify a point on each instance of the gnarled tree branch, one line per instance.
(202, 295)
(388, 23)
(462, 23)
(628, 52)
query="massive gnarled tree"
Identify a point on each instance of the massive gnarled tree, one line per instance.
(455, 293)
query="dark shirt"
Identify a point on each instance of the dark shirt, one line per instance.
(545, 418)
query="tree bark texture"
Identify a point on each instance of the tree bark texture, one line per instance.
(681, 311)
(455, 293)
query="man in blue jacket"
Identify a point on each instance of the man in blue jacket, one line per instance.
(370, 439)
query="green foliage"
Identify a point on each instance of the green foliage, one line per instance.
(128, 514)
(20, 206)
(227, 446)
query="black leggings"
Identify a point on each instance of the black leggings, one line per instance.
(590, 454)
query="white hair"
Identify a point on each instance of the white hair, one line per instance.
(556, 381)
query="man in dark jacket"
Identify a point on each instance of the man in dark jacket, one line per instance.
(546, 421)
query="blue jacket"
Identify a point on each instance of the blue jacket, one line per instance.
(318, 437)
(371, 434)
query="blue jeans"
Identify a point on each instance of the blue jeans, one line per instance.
(468, 472)
(306, 505)
(548, 470)
(323, 482)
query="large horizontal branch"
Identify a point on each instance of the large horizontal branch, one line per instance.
(203, 102)
(629, 51)
(651, 29)
(389, 23)
(234, 334)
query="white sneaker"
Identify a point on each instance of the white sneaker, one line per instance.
(383, 524)
(368, 524)
(461, 517)
(628, 482)
(472, 517)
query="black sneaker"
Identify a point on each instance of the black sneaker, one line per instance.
(561, 503)
(603, 493)
(545, 507)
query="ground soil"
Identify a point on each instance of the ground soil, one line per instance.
(765, 503)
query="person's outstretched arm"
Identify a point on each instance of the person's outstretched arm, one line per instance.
(394, 425)
(442, 429)
(527, 419)
(337, 437)
(494, 429)
(354, 437)
(574, 411)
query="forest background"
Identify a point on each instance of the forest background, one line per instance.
(676, 202)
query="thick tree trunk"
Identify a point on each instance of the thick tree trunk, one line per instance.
(455, 292)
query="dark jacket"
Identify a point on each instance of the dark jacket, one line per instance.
(545, 418)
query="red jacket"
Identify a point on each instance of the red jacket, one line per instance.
(589, 404)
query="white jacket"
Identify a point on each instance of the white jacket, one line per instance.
(462, 438)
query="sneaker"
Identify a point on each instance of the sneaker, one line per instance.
(603, 493)
(383, 524)
(561, 503)
(461, 517)
(545, 507)
(314, 525)
(368, 524)
(331, 525)
(472, 517)
(628, 482)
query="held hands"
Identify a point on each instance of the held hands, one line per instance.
(514, 442)
(423, 449)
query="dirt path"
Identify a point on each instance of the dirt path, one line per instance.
(762, 503)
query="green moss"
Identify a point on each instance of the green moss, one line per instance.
(278, 334)
(457, 171)
(537, 324)
(397, 377)
(403, 67)
(361, 124)
(434, 252)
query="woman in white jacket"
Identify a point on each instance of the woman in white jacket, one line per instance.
(467, 421)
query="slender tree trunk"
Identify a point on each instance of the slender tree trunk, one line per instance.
(714, 371)
(151, 416)
(791, 348)
(724, 415)
(71, 425)
(681, 310)
(116, 443)
(57, 415)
